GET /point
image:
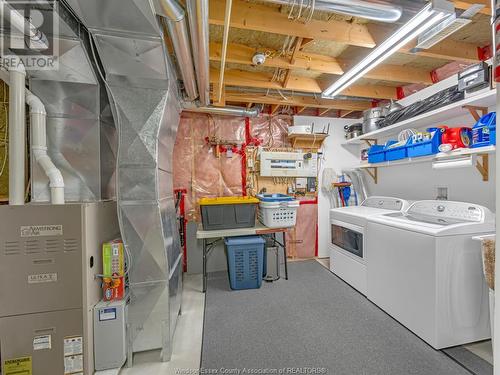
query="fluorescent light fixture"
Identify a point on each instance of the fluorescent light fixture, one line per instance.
(430, 15)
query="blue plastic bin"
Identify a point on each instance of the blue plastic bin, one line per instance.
(484, 131)
(395, 153)
(376, 154)
(275, 197)
(424, 148)
(245, 259)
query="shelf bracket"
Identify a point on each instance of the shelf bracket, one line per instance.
(373, 172)
(370, 142)
(483, 167)
(473, 109)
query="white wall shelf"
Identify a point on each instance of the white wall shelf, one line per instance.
(485, 98)
(482, 167)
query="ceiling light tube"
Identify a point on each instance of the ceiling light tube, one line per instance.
(429, 16)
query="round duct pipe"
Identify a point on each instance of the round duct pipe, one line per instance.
(380, 11)
(225, 111)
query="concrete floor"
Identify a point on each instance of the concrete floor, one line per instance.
(189, 334)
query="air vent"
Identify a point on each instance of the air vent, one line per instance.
(52, 245)
(11, 248)
(32, 247)
(70, 244)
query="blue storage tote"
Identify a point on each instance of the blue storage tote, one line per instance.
(395, 153)
(484, 131)
(376, 154)
(245, 259)
(424, 148)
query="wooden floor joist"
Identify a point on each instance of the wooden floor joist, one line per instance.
(243, 78)
(258, 17)
(240, 54)
(302, 102)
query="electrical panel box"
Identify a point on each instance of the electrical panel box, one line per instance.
(110, 347)
(288, 164)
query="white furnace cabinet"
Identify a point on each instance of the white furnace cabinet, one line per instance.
(49, 256)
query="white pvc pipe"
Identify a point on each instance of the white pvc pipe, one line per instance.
(38, 118)
(17, 133)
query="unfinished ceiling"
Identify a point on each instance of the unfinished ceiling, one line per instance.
(303, 56)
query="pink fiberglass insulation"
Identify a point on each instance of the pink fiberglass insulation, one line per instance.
(196, 167)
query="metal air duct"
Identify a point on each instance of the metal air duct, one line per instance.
(380, 11)
(177, 27)
(198, 24)
(225, 111)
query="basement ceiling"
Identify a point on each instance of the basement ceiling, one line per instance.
(304, 56)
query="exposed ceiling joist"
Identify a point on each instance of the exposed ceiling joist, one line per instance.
(243, 78)
(240, 54)
(257, 17)
(302, 102)
(447, 50)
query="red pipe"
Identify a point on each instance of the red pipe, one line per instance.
(182, 209)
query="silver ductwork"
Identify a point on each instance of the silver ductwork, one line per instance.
(146, 106)
(81, 136)
(380, 11)
(225, 111)
(175, 19)
(198, 24)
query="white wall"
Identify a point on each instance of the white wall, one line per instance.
(334, 156)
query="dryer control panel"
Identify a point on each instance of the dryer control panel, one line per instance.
(385, 203)
(446, 212)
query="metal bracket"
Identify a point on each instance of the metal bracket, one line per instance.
(373, 172)
(483, 167)
(473, 109)
(370, 142)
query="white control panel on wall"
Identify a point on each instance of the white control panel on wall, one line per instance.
(288, 164)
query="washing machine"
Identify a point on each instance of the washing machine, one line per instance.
(424, 269)
(348, 238)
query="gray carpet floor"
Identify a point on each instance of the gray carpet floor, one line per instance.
(313, 321)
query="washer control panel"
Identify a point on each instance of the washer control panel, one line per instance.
(446, 212)
(386, 203)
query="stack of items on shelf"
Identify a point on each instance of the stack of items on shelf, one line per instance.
(411, 144)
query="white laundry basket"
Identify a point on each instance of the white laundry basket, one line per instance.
(278, 214)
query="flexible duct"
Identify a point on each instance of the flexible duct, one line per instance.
(198, 24)
(177, 27)
(17, 132)
(225, 111)
(38, 117)
(379, 11)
